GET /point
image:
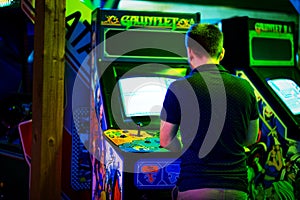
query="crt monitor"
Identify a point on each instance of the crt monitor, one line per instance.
(134, 92)
(143, 96)
(288, 91)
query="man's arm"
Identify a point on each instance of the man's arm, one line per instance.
(252, 133)
(168, 137)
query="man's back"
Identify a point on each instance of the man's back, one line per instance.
(226, 104)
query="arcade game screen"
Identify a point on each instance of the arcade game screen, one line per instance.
(288, 91)
(135, 94)
(143, 96)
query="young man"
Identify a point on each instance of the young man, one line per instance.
(217, 115)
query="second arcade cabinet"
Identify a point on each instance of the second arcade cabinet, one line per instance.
(264, 53)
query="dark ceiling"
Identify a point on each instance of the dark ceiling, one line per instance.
(284, 6)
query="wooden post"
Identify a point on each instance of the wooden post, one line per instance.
(48, 99)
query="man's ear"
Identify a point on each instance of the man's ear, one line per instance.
(189, 52)
(191, 55)
(222, 54)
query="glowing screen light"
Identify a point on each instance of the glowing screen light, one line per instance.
(143, 96)
(289, 93)
(5, 3)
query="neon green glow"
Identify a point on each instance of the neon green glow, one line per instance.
(288, 37)
(85, 7)
(259, 96)
(174, 71)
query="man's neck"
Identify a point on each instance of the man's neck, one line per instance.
(203, 61)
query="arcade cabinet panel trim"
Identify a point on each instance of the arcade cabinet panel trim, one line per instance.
(271, 49)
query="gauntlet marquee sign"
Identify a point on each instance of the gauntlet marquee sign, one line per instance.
(129, 21)
(147, 20)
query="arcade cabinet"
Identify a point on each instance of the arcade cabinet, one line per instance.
(136, 55)
(264, 53)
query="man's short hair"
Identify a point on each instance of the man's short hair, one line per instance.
(205, 39)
